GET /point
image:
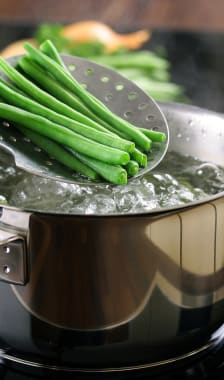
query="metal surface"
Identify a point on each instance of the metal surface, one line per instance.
(12, 258)
(140, 290)
(195, 132)
(92, 258)
(119, 94)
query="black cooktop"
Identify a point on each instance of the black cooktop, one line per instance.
(209, 366)
(197, 63)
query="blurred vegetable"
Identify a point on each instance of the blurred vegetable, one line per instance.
(16, 48)
(52, 32)
(96, 31)
(146, 60)
(147, 69)
(63, 44)
(97, 42)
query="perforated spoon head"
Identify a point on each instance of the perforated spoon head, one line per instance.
(120, 95)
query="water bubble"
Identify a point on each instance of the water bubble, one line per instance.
(207, 169)
(178, 180)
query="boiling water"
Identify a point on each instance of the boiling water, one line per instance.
(177, 181)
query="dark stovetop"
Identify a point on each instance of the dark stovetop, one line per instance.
(208, 367)
(197, 63)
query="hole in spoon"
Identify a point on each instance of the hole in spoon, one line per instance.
(128, 114)
(105, 79)
(6, 269)
(132, 96)
(84, 85)
(142, 106)
(89, 72)
(109, 97)
(119, 87)
(149, 118)
(72, 67)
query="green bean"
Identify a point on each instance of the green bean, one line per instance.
(48, 48)
(166, 91)
(59, 153)
(43, 97)
(115, 174)
(139, 157)
(48, 83)
(63, 135)
(142, 60)
(24, 62)
(16, 99)
(155, 136)
(132, 168)
(9, 85)
(38, 73)
(63, 77)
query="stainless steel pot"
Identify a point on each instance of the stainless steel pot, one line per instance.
(101, 293)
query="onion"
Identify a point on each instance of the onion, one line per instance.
(97, 31)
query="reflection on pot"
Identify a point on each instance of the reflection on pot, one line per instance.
(94, 273)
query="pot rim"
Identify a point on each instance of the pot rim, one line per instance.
(152, 212)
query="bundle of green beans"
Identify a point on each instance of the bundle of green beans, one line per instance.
(49, 106)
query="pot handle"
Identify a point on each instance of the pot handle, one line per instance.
(13, 268)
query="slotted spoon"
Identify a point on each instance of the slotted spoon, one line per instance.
(120, 95)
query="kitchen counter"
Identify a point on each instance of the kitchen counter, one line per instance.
(180, 14)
